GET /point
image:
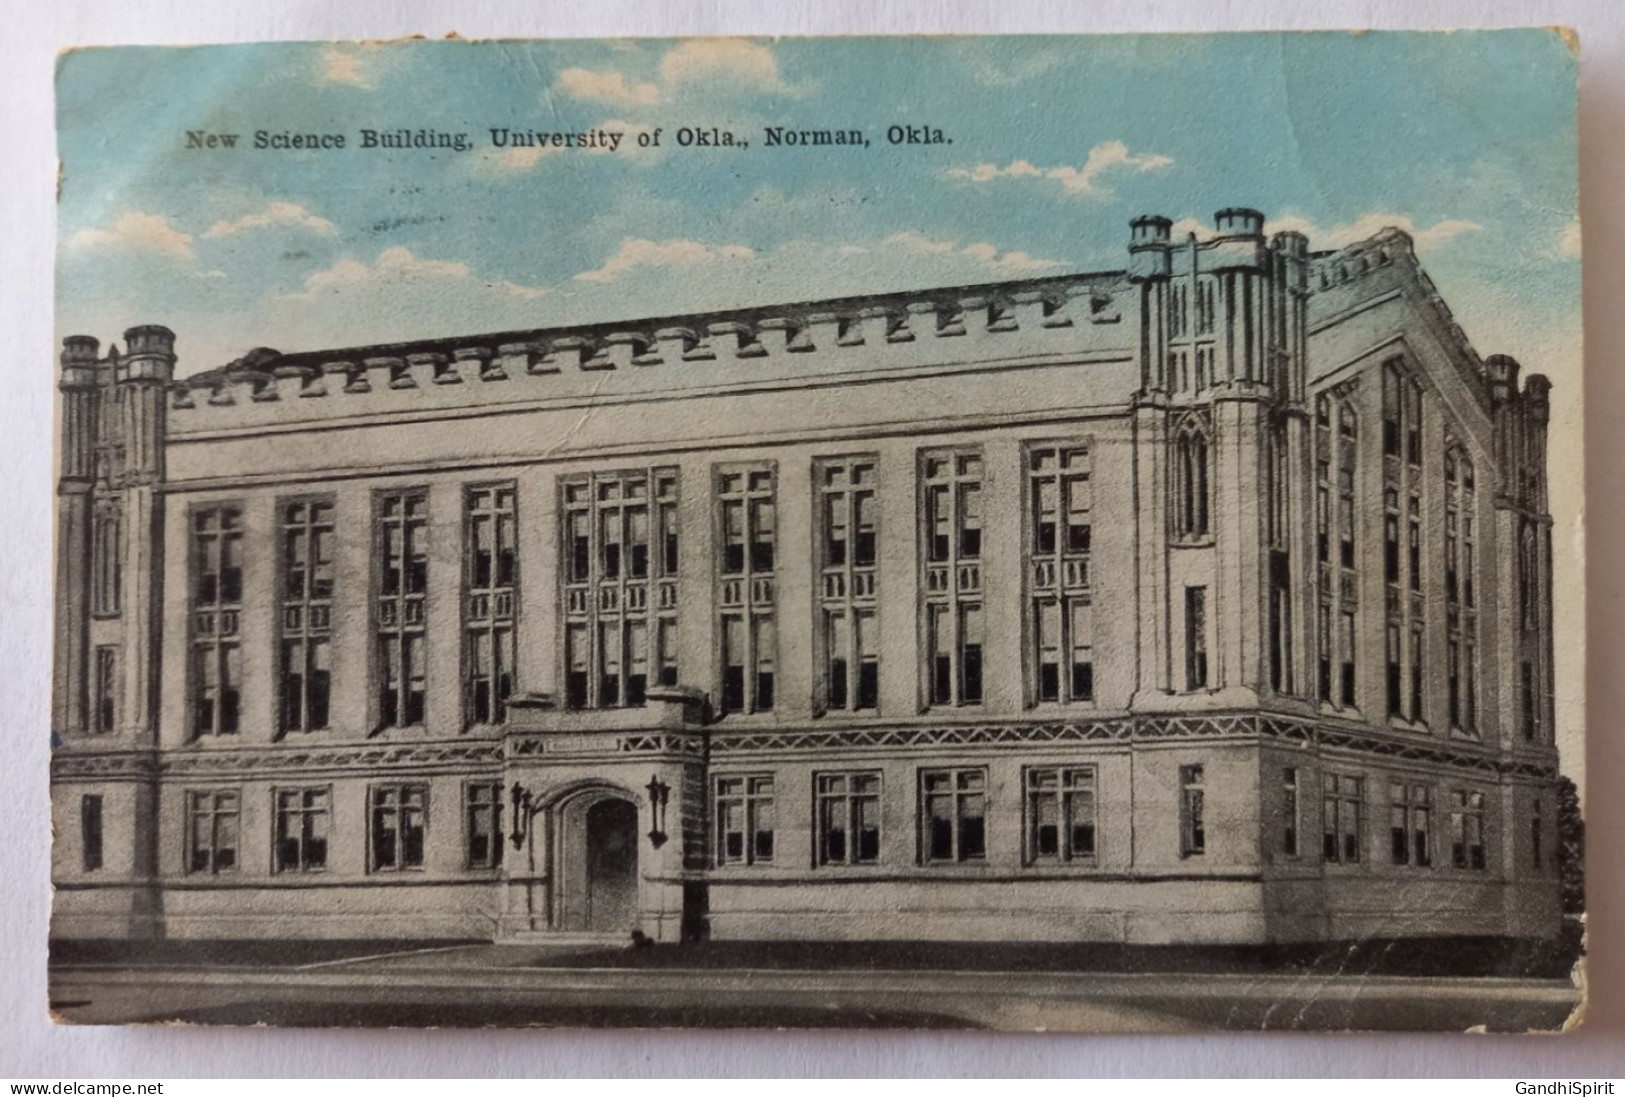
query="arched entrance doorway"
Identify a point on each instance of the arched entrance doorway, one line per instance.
(612, 866)
(598, 864)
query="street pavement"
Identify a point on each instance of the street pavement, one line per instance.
(511, 986)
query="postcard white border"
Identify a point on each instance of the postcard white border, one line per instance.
(30, 1047)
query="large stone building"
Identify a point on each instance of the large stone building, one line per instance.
(1207, 600)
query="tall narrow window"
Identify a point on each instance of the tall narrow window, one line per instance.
(620, 586)
(1060, 500)
(1191, 487)
(1348, 430)
(1290, 812)
(1061, 813)
(953, 815)
(303, 816)
(1395, 673)
(848, 818)
(107, 558)
(1280, 651)
(1323, 512)
(1410, 824)
(1469, 560)
(951, 527)
(1467, 830)
(1323, 655)
(217, 601)
(1461, 614)
(105, 714)
(1390, 543)
(847, 517)
(1528, 584)
(1336, 445)
(1403, 564)
(1343, 800)
(90, 832)
(1452, 672)
(1192, 812)
(1413, 542)
(491, 571)
(1411, 395)
(213, 824)
(403, 583)
(1350, 633)
(1195, 638)
(1418, 696)
(744, 820)
(482, 807)
(1528, 705)
(1393, 382)
(307, 614)
(747, 586)
(399, 814)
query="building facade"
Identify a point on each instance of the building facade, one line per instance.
(1207, 600)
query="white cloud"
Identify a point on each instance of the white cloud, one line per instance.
(1369, 224)
(635, 253)
(1108, 156)
(344, 65)
(1568, 242)
(726, 62)
(135, 231)
(398, 267)
(735, 59)
(982, 254)
(275, 213)
(1342, 235)
(609, 87)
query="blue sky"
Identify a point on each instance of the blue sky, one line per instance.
(1465, 139)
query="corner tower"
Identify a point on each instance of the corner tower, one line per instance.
(1220, 444)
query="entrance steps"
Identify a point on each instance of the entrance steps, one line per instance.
(566, 939)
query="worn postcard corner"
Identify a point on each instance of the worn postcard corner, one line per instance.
(1041, 533)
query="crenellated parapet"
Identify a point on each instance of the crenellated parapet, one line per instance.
(1521, 420)
(1222, 313)
(1037, 318)
(1344, 281)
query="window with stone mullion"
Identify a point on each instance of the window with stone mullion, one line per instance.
(619, 576)
(402, 547)
(951, 532)
(1059, 543)
(747, 586)
(307, 598)
(490, 603)
(217, 591)
(848, 594)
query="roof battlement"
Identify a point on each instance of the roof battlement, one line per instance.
(1052, 318)
(1390, 251)
(1060, 314)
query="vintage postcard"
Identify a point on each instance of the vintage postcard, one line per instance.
(1022, 533)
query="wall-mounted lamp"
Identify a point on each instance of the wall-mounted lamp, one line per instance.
(659, 795)
(524, 811)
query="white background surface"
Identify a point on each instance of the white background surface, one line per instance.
(30, 1047)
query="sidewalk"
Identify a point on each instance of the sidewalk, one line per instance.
(482, 985)
(1439, 958)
